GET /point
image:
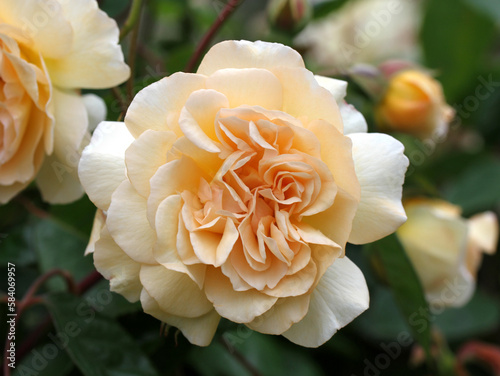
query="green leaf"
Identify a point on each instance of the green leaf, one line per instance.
(266, 355)
(478, 188)
(489, 8)
(98, 345)
(481, 315)
(457, 48)
(59, 246)
(406, 287)
(108, 303)
(383, 321)
(326, 7)
(45, 360)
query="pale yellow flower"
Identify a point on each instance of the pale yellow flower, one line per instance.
(364, 31)
(446, 249)
(49, 49)
(233, 191)
(414, 103)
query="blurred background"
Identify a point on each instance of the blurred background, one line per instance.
(457, 41)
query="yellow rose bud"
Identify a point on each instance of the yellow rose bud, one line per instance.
(414, 103)
(446, 249)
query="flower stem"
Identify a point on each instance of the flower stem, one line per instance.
(133, 17)
(30, 299)
(202, 46)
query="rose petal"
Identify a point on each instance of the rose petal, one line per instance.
(380, 167)
(244, 87)
(145, 155)
(282, 315)
(42, 20)
(175, 292)
(158, 105)
(96, 110)
(102, 165)
(128, 224)
(340, 296)
(197, 118)
(58, 182)
(483, 231)
(435, 241)
(337, 88)
(121, 271)
(172, 178)
(198, 330)
(305, 99)
(237, 306)
(245, 54)
(95, 235)
(95, 59)
(166, 250)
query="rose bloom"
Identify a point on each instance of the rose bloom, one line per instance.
(232, 193)
(363, 31)
(446, 249)
(414, 103)
(49, 49)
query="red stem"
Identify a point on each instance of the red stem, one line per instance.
(29, 299)
(205, 41)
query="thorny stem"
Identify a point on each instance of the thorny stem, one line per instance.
(223, 16)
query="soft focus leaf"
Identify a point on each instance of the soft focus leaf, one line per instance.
(45, 360)
(481, 315)
(406, 287)
(267, 355)
(477, 188)
(98, 345)
(457, 63)
(59, 246)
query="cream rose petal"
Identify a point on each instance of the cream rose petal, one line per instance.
(282, 315)
(341, 296)
(243, 87)
(95, 59)
(9, 191)
(145, 156)
(380, 167)
(42, 20)
(58, 183)
(483, 231)
(128, 211)
(95, 234)
(435, 241)
(154, 106)
(96, 110)
(58, 178)
(353, 120)
(197, 118)
(172, 178)
(102, 165)
(198, 330)
(175, 292)
(237, 306)
(245, 54)
(121, 271)
(305, 99)
(166, 250)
